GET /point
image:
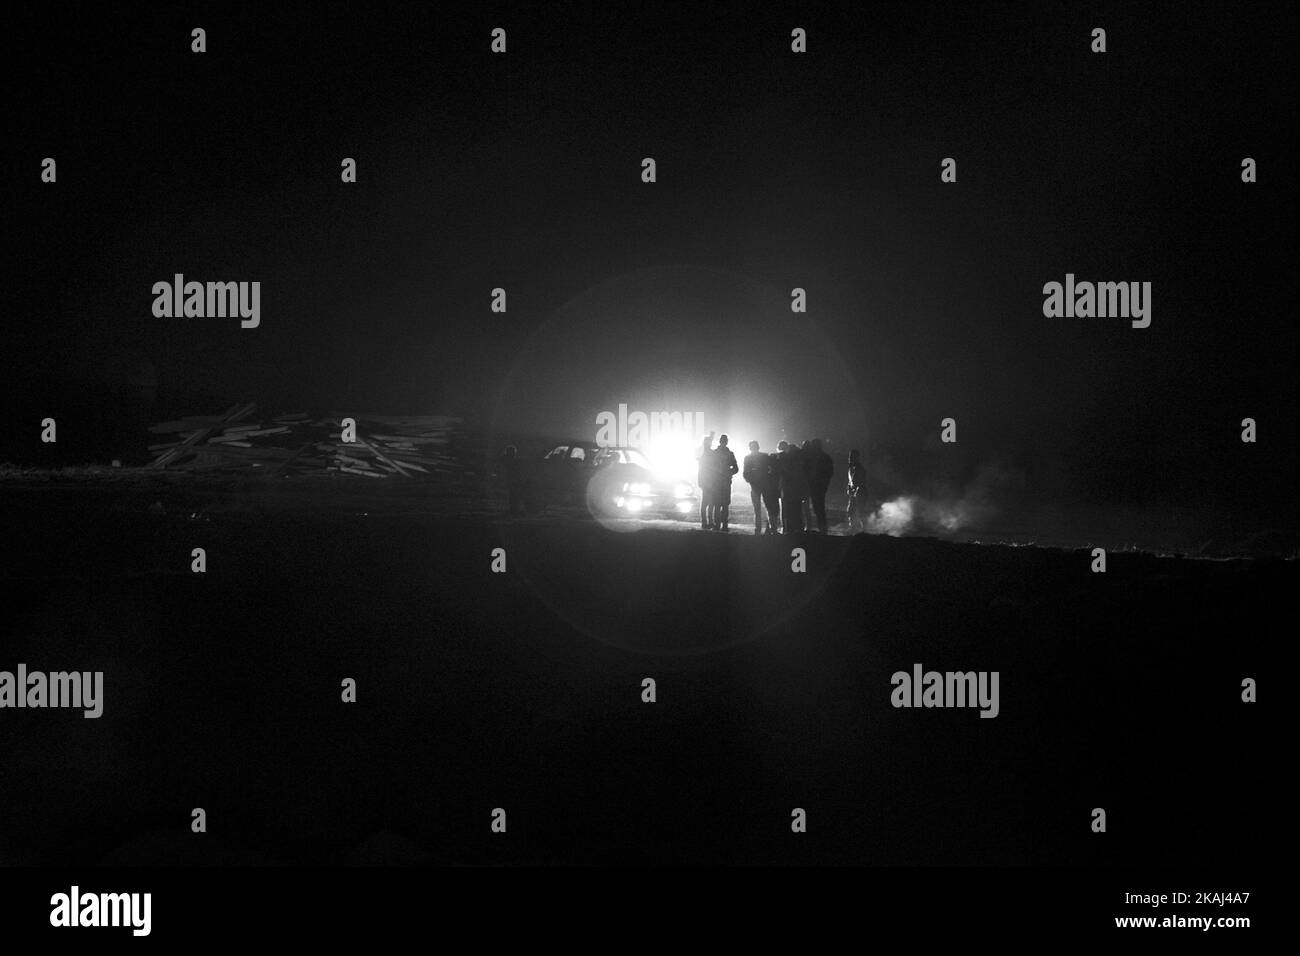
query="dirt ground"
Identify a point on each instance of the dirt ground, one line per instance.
(523, 690)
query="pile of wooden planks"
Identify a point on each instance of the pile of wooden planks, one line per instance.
(381, 446)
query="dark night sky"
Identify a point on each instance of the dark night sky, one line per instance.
(820, 171)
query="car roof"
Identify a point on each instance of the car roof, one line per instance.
(573, 442)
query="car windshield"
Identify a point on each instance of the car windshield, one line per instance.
(622, 456)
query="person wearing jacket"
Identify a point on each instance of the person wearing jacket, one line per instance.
(758, 471)
(820, 469)
(724, 462)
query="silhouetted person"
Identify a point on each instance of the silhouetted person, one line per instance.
(511, 470)
(758, 471)
(794, 489)
(857, 493)
(705, 476)
(819, 468)
(724, 462)
(805, 450)
(778, 464)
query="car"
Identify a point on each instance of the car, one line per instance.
(610, 481)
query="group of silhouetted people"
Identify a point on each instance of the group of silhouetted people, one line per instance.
(788, 485)
(717, 465)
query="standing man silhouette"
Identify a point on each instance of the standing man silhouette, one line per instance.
(820, 470)
(762, 488)
(725, 463)
(794, 488)
(705, 475)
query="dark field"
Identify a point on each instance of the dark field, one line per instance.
(522, 690)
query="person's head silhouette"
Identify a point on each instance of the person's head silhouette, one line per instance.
(722, 441)
(753, 446)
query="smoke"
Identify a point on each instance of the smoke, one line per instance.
(942, 510)
(892, 517)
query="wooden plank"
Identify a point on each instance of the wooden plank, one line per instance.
(289, 461)
(234, 414)
(232, 433)
(384, 458)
